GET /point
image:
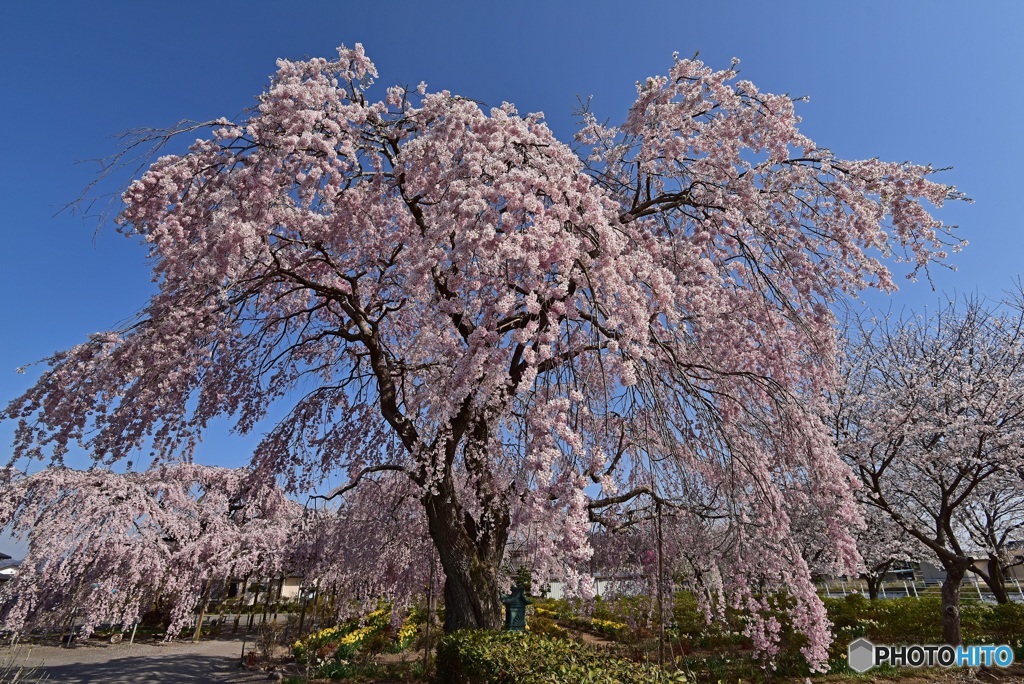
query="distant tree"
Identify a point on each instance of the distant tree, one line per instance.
(883, 546)
(453, 295)
(106, 546)
(994, 522)
(932, 421)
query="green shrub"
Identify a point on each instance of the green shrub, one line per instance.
(631, 610)
(715, 651)
(556, 609)
(687, 615)
(482, 657)
(544, 626)
(912, 620)
(1005, 623)
(908, 620)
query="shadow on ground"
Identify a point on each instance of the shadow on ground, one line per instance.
(176, 668)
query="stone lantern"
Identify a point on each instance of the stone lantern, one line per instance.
(515, 609)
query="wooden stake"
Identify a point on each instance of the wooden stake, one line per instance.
(661, 594)
(202, 612)
(430, 615)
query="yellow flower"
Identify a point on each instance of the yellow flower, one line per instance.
(356, 636)
(407, 630)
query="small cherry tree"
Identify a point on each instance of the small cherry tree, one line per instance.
(883, 545)
(105, 546)
(931, 419)
(880, 542)
(454, 295)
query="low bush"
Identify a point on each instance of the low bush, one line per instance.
(545, 626)
(482, 657)
(919, 620)
(1005, 623)
(687, 616)
(720, 650)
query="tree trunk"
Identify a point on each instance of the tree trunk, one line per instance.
(223, 606)
(873, 584)
(996, 580)
(240, 602)
(302, 613)
(430, 616)
(470, 557)
(955, 571)
(277, 601)
(470, 596)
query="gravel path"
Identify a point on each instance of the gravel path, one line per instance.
(166, 663)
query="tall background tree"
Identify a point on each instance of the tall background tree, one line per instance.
(454, 295)
(932, 422)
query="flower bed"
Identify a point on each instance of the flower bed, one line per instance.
(342, 642)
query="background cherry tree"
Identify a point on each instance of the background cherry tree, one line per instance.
(106, 547)
(530, 333)
(365, 544)
(993, 520)
(882, 544)
(932, 422)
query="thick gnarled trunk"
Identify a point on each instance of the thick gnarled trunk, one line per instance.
(471, 559)
(471, 602)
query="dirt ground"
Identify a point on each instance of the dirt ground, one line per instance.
(140, 663)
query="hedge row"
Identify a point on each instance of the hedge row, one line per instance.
(481, 657)
(911, 620)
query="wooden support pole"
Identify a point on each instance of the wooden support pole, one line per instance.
(661, 594)
(430, 615)
(202, 612)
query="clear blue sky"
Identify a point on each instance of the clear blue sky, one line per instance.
(930, 82)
